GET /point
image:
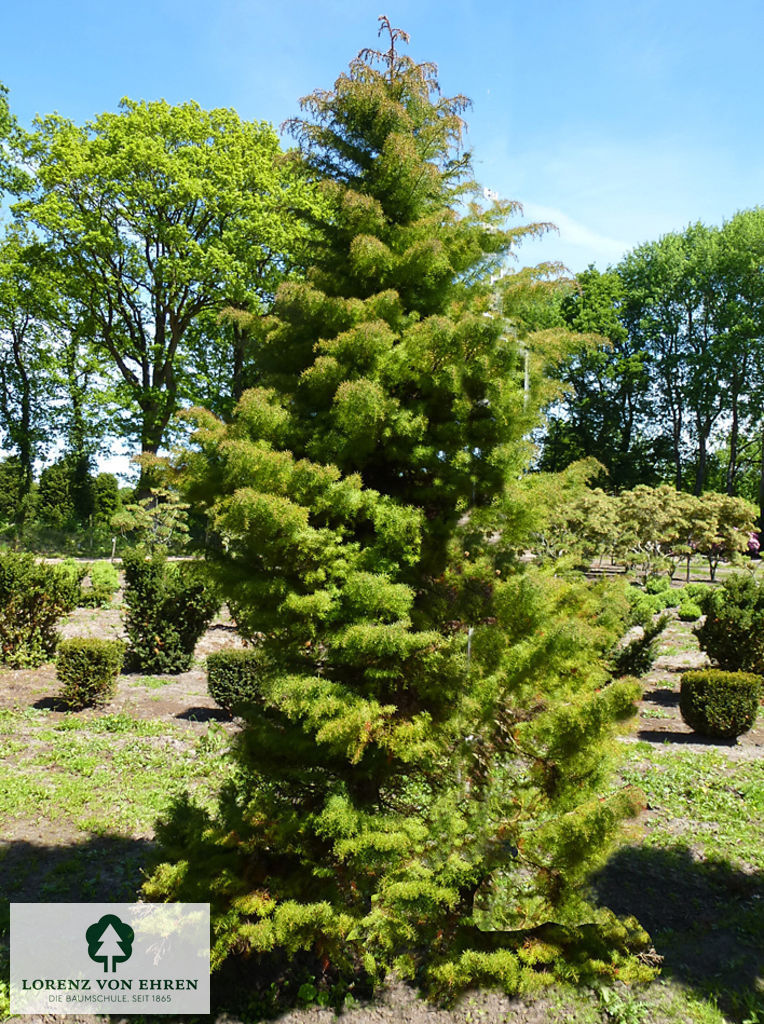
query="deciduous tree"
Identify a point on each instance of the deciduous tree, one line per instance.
(160, 214)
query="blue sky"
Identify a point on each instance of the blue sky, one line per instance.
(618, 122)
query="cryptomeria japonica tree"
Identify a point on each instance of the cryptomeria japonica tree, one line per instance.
(427, 737)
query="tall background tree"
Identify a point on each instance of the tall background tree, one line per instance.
(27, 346)
(604, 408)
(675, 390)
(160, 215)
(428, 728)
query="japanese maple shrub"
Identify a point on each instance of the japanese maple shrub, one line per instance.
(421, 773)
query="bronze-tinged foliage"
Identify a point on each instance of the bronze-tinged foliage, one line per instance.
(426, 743)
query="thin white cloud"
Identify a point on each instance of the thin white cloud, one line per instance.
(572, 232)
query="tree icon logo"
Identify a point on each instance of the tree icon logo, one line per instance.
(110, 939)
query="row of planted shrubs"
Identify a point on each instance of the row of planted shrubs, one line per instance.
(168, 607)
(659, 596)
(88, 670)
(720, 702)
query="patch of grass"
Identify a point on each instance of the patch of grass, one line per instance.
(153, 682)
(654, 713)
(112, 774)
(122, 722)
(703, 797)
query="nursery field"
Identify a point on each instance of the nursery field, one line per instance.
(81, 792)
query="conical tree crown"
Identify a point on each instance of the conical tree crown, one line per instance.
(425, 738)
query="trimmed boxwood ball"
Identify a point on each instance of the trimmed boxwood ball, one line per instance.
(231, 676)
(88, 668)
(720, 704)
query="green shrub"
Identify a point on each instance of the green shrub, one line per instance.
(33, 597)
(658, 585)
(70, 575)
(720, 704)
(104, 583)
(696, 591)
(168, 608)
(733, 632)
(689, 611)
(638, 656)
(231, 676)
(88, 668)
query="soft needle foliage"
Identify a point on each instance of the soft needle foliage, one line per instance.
(418, 778)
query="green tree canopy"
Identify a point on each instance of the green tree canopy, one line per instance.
(27, 305)
(160, 214)
(604, 409)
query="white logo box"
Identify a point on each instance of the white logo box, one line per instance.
(122, 958)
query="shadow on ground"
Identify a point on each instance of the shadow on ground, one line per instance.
(200, 714)
(674, 736)
(110, 869)
(705, 918)
(666, 698)
(102, 869)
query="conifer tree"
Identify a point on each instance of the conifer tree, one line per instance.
(421, 771)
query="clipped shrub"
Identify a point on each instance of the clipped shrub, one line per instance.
(231, 676)
(646, 605)
(720, 704)
(696, 591)
(689, 610)
(33, 597)
(88, 669)
(168, 608)
(733, 632)
(104, 583)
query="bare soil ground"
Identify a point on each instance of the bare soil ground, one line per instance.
(180, 698)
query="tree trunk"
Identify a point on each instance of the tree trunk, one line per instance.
(153, 425)
(734, 435)
(676, 442)
(700, 473)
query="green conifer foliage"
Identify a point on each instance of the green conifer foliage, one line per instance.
(420, 772)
